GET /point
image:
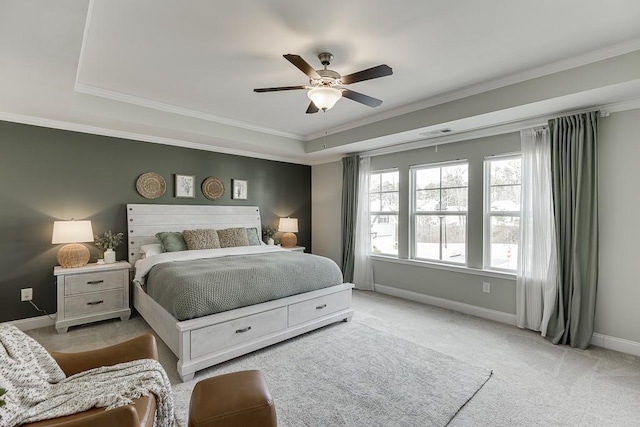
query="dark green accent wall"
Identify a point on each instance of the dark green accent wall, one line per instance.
(48, 174)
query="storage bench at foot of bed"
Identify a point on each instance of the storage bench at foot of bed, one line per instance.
(256, 326)
(207, 341)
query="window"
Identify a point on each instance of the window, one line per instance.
(383, 207)
(502, 212)
(439, 212)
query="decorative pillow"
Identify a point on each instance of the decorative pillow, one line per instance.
(172, 241)
(252, 237)
(232, 237)
(150, 250)
(201, 239)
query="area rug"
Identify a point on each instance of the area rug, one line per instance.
(349, 374)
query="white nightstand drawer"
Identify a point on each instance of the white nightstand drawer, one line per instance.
(91, 293)
(317, 307)
(234, 332)
(92, 282)
(94, 302)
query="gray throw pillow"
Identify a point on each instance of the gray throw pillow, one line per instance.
(171, 241)
(232, 237)
(252, 236)
(201, 239)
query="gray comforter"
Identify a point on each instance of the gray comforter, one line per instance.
(190, 289)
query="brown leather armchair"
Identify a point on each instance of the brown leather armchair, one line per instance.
(140, 413)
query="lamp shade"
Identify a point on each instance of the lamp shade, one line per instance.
(72, 232)
(73, 254)
(288, 225)
(324, 97)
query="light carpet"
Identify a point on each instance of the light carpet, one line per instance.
(349, 374)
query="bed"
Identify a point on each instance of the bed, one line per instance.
(211, 339)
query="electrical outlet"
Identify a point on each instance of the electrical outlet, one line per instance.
(486, 287)
(26, 294)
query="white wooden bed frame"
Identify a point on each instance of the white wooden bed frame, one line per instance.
(207, 341)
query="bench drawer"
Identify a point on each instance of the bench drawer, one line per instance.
(238, 331)
(318, 307)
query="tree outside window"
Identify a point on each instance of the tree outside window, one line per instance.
(440, 204)
(502, 212)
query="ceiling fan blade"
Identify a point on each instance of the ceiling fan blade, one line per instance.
(312, 108)
(302, 65)
(363, 99)
(277, 89)
(368, 74)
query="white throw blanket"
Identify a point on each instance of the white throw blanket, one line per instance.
(37, 388)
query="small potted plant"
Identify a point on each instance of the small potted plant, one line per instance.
(100, 257)
(268, 232)
(109, 241)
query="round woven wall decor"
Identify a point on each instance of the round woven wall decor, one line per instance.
(150, 185)
(212, 188)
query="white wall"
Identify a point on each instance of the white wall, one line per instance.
(618, 298)
(326, 200)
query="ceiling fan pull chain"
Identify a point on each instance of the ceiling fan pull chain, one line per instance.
(325, 129)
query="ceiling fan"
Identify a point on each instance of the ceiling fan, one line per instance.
(326, 86)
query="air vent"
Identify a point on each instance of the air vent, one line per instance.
(442, 131)
(438, 132)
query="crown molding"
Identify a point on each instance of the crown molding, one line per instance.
(519, 77)
(621, 106)
(424, 141)
(95, 130)
(161, 106)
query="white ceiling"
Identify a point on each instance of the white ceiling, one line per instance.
(183, 72)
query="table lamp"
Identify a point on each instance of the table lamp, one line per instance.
(289, 226)
(73, 254)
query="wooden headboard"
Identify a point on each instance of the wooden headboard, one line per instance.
(144, 221)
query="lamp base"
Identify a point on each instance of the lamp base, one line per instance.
(288, 240)
(73, 255)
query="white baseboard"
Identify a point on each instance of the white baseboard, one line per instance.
(617, 344)
(485, 313)
(33, 322)
(599, 340)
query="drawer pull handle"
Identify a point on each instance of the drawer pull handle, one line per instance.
(320, 307)
(95, 282)
(243, 330)
(95, 302)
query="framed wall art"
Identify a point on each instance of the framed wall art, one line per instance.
(239, 189)
(185, 186)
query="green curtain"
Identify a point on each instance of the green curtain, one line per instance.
(350, 167)
(574, 175)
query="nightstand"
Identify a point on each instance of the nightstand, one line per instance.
(295, 248)
(91, 293)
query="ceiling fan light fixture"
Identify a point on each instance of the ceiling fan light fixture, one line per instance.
(324, 97)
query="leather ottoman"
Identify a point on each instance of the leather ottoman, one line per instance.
(237, 399)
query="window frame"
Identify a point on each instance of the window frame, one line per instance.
(487, 214)
(384, 213)
(413, 213)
